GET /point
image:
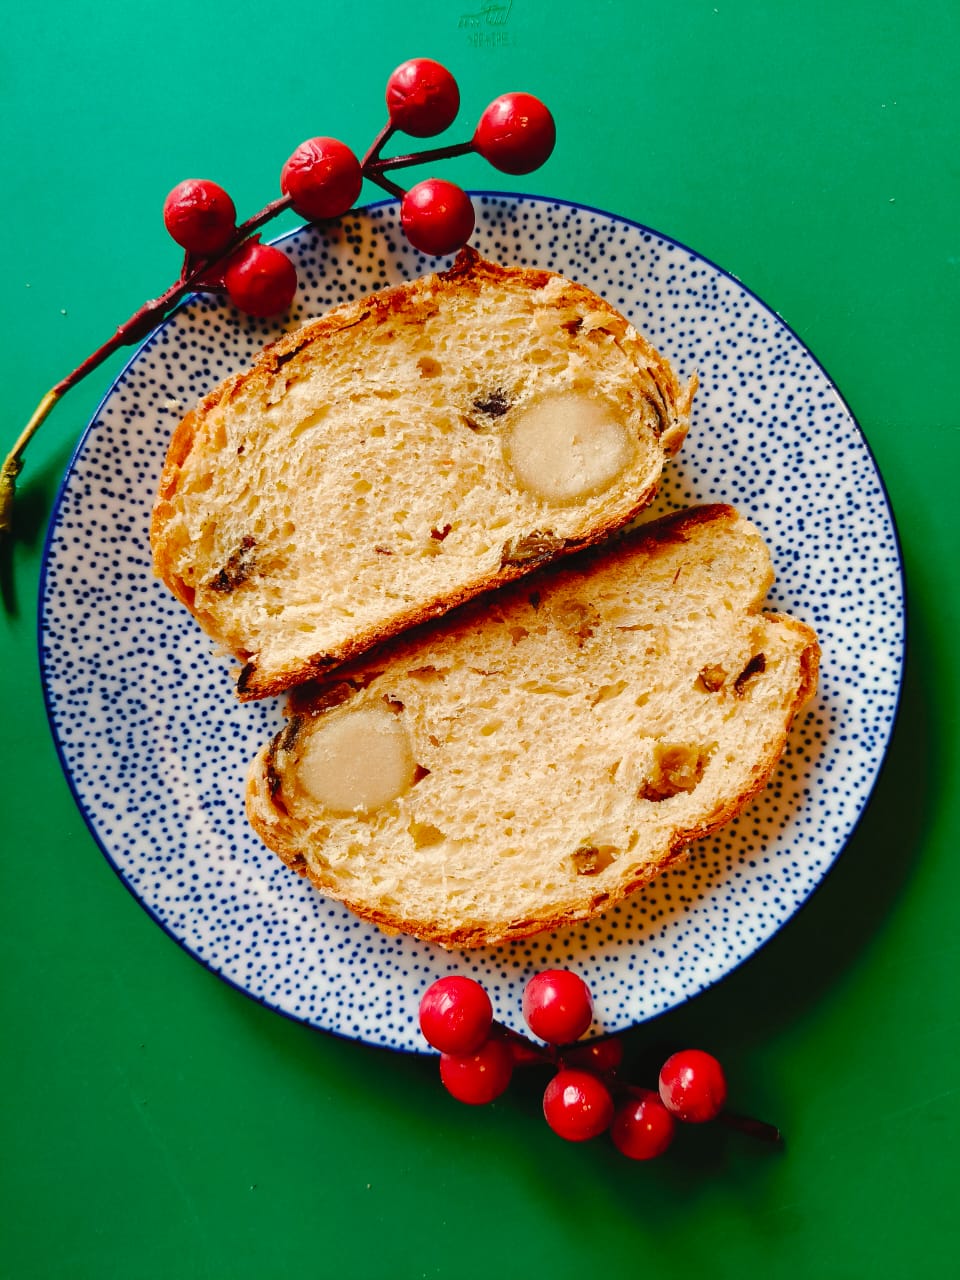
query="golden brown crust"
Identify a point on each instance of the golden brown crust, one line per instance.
(269, 816)
(675, 527)
(293, 352)
(476, 935)
(251, 685)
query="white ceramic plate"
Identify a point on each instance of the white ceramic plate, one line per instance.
(156, 747)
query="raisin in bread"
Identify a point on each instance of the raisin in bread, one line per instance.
(401, 454)
(536, 756)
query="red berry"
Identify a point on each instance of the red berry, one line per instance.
(437, 217)
(200, 216)
(422, 98)
(516, 133)
(599, 1056)
(577, 1105)
(557, 1006)
(642, 1127)
(455, 1015)
(260, 280)
(693, 1086)
(477, 1078)
(322, 178)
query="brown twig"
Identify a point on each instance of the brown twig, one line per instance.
(13, 462)
(392, 187)
(143, 321)
(751, 1127)
(194, 274)
(421, 157)
(376, 146)
(529, 1053)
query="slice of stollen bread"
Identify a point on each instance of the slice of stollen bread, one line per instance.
(538, 755)
(403, 453)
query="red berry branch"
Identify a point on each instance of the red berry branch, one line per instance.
(320, 181)
(586, 1094)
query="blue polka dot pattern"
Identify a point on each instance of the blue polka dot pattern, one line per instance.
(156, 746)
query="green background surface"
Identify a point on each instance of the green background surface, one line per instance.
(156, 1122)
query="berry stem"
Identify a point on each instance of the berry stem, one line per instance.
(394, 188)
(14, 460)
(143, 321)
(534, 1054)
(196, 272)
(547, 1055)
(752, 1128)
(266, 213)
(376, 146)
(377, 166)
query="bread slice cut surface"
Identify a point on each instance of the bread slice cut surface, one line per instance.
(539, 754)
(403, 453)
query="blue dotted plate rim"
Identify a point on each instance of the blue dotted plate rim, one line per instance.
(520, 199)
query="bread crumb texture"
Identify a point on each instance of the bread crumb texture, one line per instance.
(387, 461)
(543, 752)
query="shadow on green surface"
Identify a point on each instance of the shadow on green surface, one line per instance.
(741, 1016)
(35, 495)
(831, 931)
